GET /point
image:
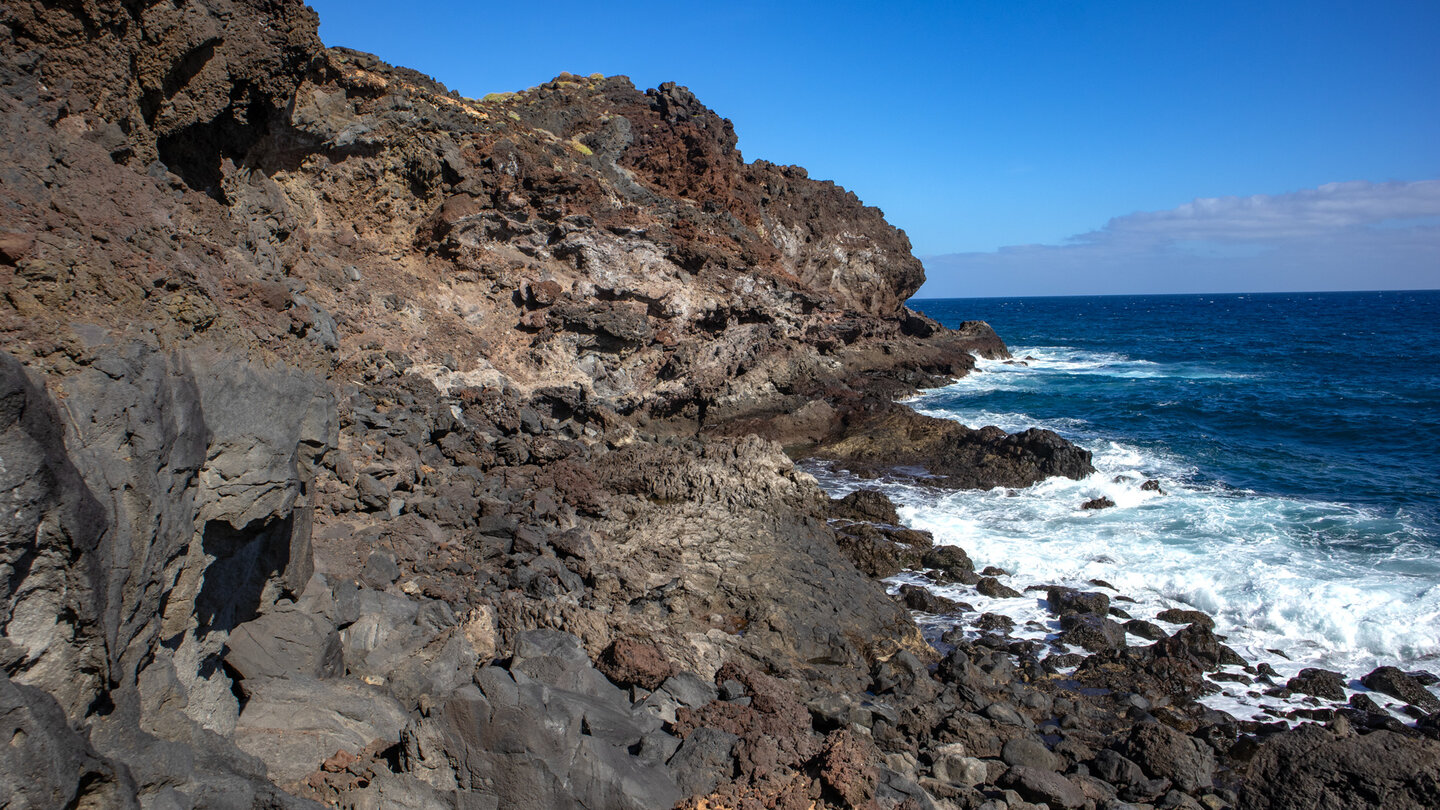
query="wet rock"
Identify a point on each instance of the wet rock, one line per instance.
(918, 598)
(993, 588)
(866, 505)
(1101, 502)
(1178, 616)
(1200, 645)
(1397, 684)
(994, 622)
(1321, 683)
(1365, 703)
(880, 553)
(1144, 629)
(1064, 601)
(951, 561)
(1094, 633)
(881, 437)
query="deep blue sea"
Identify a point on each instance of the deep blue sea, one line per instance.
(1297, 437)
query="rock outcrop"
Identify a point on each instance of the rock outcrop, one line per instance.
(365, 445)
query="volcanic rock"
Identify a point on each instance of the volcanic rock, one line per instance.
(1395, 683)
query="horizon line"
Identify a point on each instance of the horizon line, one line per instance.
(1163, 295)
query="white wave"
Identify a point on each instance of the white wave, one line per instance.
(1276, 573)
(1031, 366)
(1259, 564)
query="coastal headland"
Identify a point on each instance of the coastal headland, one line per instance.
(363, 445)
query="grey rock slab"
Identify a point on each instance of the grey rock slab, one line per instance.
(294, 724)
(531, 745)
(689, 690)
(1002, 713)
(1043, 786)
(1030, 753)
(283, 644)
(702, 760)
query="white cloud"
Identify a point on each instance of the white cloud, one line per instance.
(1355, 235)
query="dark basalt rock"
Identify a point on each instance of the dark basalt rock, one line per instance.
(1101, 502)
(496, 369)
(921, 599)
(1144, 629)
(1313, 767)
(1178, 616)
(879, 551)
(1043, 786)
(884, 437)
(995, 589)
(952, 562)
(1396, 683)
(1165, 753)
(1094, 633)
(868, 505)
(1063, 601)
(45, 763)
(1321, 683)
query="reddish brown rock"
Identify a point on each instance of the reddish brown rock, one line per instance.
(629, 662)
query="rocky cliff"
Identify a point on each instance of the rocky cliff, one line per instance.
(368, 445)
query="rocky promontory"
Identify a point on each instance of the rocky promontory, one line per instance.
(364, 445)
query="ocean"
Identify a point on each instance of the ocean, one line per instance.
(1296, 437)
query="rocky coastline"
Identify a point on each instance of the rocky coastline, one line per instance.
(367, 446)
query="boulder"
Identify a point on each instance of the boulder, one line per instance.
(1321, 683)
(1062, 601)
(867, 505)
(1179, 616)
(1311, 767)
(1169, 754)
(1094, 633)
(45, 763)
(1397, 684)
(1043, 786)
(295, 723)
(284, 644)
(1029, 753)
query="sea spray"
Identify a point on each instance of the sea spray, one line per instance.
(1307, 543)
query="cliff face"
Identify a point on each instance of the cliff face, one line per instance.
(245, 277)
(348, 425)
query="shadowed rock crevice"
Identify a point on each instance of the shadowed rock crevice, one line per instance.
(238, 583)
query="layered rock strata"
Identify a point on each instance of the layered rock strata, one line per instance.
(365, 445)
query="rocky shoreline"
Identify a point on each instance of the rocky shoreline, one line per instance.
(367, 446)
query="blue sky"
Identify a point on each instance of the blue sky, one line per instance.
(1018, 142)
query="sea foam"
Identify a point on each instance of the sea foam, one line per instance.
(1291, 582)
